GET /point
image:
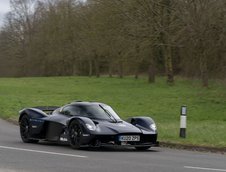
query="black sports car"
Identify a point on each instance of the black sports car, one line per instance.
(86, 124)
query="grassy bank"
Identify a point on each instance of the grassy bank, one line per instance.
(129, 97)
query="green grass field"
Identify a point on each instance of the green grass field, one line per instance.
(130, 97)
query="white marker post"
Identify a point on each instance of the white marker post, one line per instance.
(183, 121)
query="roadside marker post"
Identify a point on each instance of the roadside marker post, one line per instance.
(183, 121)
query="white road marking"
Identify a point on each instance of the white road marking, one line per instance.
(43, 152)
(207, 169)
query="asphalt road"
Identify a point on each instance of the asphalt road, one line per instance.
(45, 157)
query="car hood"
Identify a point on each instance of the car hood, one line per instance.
(116, 128)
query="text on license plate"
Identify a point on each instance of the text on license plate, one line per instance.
(135, 138)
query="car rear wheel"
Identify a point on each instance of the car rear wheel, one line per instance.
(143, 148)
(24, 130)
(75, 135)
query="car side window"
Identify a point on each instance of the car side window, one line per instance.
(66, 110)
(70, 110)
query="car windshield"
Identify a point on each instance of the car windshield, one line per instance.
(96, 111)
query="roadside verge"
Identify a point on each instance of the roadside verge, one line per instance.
(193, 147)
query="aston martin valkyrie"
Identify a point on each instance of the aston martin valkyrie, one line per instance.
(86, 124)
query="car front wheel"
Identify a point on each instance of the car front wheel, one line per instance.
(75, 135)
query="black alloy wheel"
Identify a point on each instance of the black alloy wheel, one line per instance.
(75, 135)
(24, 130)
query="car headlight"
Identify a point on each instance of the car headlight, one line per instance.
(153, 127)
(91, 127)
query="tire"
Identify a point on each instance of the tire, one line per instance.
(24, 130)
(143, 148)
(75, 135)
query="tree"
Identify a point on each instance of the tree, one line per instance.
(203, 33)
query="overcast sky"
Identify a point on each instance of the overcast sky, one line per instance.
(4, 8)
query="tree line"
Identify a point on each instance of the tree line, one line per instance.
(115, 37)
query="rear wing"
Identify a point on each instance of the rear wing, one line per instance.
(47, 109)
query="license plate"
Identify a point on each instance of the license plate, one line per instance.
(129, 138)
